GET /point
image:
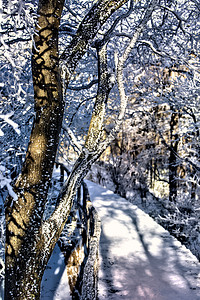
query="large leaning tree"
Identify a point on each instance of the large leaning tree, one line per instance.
(30, 238)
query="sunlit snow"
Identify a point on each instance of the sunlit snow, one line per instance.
(139, 260)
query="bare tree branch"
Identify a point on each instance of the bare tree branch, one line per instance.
(83, 87)
(110, 33)
(86, 32)
(73, 13)
(55, 224)
(77, 108)
(165, 54)
(73, 138)
(119, 62)
(177, 17)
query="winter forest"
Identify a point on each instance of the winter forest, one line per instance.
(107, 91)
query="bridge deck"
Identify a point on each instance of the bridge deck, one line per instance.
(139, 260)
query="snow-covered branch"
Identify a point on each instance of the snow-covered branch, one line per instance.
(119, 63)
(73, 138)
(6, 118)
(87, 30)
(110, 33)
(72, 54)
(6, 182)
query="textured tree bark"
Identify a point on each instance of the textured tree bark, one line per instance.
(29, 242)
(95, 131)
(173, 156)
(24, 217)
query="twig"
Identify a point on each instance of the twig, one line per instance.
(83, 87)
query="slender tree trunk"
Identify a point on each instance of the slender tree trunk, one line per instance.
(173, 157)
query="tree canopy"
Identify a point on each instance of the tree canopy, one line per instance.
(71, 73)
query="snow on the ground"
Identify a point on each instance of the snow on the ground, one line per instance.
(139, 260)
(55, 282)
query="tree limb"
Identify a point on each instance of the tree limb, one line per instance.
(83, 87)
(55, 223)
(73, 138)
(119, 62)
(109, 34)
(92, 22)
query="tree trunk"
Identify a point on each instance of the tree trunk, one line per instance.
(29, 240)
(24, 217)
(173, 164)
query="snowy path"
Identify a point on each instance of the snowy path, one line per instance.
(139, 260)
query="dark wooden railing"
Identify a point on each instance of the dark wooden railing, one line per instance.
(79, 243)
